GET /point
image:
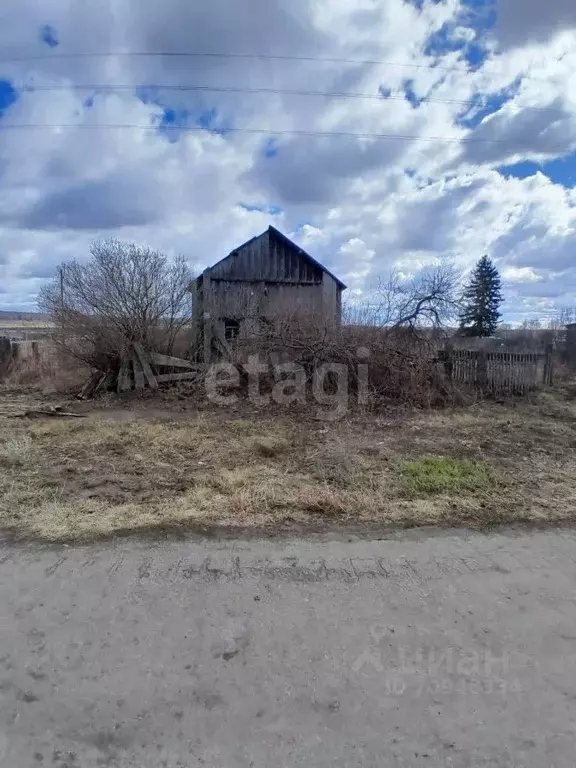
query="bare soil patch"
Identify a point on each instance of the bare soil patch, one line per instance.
(163, 463)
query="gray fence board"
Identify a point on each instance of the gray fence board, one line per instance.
(499, 372)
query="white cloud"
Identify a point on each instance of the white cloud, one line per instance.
(362, 206)
(360, 257)
(520, 274)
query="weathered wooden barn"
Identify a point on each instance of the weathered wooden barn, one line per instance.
(265, 278)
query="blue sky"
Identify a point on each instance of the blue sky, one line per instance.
(483, 105)
(8, 95)
(561, 170)
(476, 101)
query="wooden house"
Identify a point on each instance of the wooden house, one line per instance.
(265, 278)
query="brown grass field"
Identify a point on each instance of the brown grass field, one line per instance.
(32, 323)
(166, 464)
(19, 328)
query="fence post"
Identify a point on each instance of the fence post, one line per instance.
(482, 369)
(448, 360)
(549, 365)
(5, 354)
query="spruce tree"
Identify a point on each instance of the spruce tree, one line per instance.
(482, 300)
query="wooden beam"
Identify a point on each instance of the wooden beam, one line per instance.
(151, 379)
(5, 353)
(169, 362)
(139, 380)
(165, 377)
(124, 378)
(222, 345)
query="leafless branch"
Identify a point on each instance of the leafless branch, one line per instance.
(124, 293)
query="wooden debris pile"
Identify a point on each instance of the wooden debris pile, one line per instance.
(140, 370)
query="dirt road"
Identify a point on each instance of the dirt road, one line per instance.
(418, 650)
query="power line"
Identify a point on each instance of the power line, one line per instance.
(285, 92)
(253, 56)
(258, 131)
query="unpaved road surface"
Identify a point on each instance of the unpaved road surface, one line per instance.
(419, 650)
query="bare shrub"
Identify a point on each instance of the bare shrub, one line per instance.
(124, 293)
(388, 366)
(395, 335)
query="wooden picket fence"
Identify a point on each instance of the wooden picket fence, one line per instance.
(499, 372)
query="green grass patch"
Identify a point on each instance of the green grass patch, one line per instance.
(438, 475)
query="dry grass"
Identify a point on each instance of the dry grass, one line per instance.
(142, 468)
(47, 372)
(12, 325)
(16, 451)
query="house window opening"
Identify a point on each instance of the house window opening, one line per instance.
(231, 328)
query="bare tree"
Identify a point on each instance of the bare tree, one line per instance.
(428, 300)
(389, 337)
(566, 316)
(124, 293)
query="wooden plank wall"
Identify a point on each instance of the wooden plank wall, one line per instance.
(267, 259)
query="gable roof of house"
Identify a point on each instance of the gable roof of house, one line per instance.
(286, 240)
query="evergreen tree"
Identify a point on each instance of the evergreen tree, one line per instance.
(482, 300)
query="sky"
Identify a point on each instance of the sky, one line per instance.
(378, 134)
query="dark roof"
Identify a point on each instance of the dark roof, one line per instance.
(290, 244)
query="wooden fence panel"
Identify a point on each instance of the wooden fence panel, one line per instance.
(499, 372)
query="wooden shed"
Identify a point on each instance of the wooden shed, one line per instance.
(265, 278)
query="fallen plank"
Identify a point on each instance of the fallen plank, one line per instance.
(167, 361)
(151, 379)
(139, 379)
(39, 413)
(163, 378)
